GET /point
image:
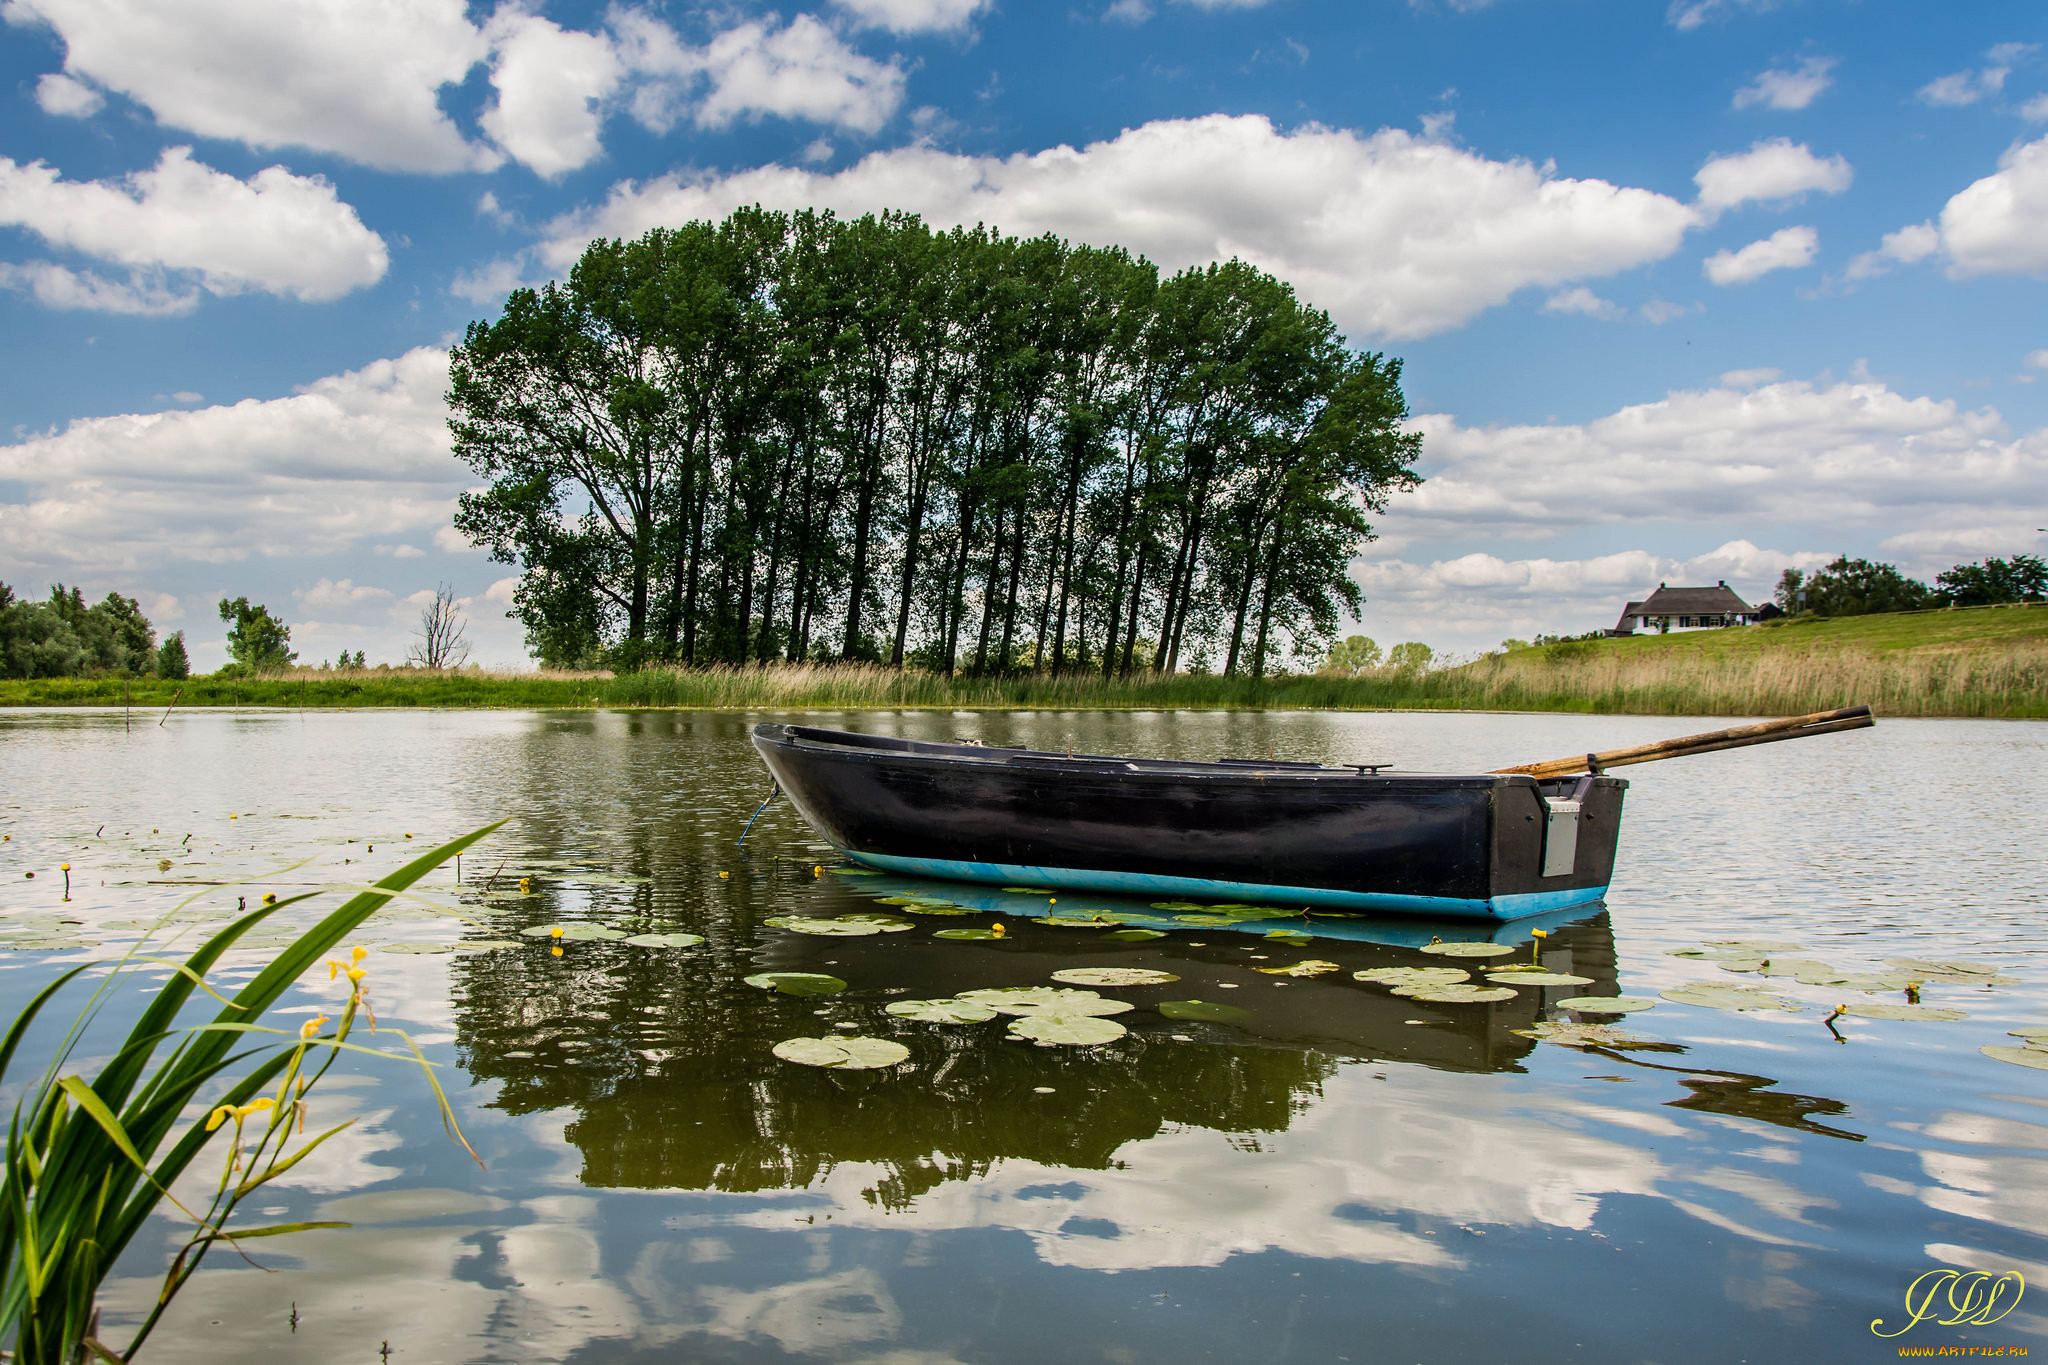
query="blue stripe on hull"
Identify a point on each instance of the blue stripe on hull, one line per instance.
(1150, 884)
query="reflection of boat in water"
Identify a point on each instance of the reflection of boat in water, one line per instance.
(1494, 845)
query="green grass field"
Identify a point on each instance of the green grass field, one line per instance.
(1979, 661)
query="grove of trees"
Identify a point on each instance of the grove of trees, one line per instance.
(792, 436)
(1861, 587)
(64, 637)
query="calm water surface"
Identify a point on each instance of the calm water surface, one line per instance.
(1348, 1175)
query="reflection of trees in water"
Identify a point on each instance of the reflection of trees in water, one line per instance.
(664, 1057)
(665, 1060)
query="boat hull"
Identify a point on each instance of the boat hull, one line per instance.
(1424, 844)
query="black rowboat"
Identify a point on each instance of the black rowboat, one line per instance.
(1489, 845)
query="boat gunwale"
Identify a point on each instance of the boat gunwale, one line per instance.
(889, 749)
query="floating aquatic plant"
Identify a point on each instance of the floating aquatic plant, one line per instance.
(1044, 1000)
(1113, 976)
(1882, 1009)
(1067, 1030)
(831, 926)
(966, 933)
(941, 1011)
(1717, 996)
(673, 940)
(855, 1053)
(1607, 1004)
(1308, 966)
(1204, 1011)
(1135, 935)
(1468, 949)
(1526, 976)
(1568, 1034)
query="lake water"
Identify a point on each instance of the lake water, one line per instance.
(1342, 1175)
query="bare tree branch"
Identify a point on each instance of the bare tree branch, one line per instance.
(441, 643)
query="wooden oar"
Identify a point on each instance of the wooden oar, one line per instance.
(1767, 732)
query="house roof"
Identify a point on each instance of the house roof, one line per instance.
(1668, 601)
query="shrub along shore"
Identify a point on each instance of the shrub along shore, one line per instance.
(1969, 662)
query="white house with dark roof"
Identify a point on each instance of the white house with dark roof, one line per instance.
(1671, 608)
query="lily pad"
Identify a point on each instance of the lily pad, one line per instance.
(1203, 919)
(1308, 966)
(963, 933)
(1957, 971)
(1030, 891)
(828, 926)
(1530, 977)
(2018, 1056)
(843, 1054)
(1884, 1009)
(1567, 1034)
(1135, 935)
(941, 1011)
(1713, 995)
(1113, 976)
(1809, 970)
(888, 924)
(485, 945)
(1177, 905)
(1607, 1004)
(2033, 1035)
(797, 983)
(665, 940)
(1754, 945)
(1403, 975)
(1468, 949)
(1457, 993)
(1045, 1000)
(1204, 1011)
(1253, 912)
(1078, 922)
(1067, 1030)
(420, 948)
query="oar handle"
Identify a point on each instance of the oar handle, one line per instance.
(1736, 737)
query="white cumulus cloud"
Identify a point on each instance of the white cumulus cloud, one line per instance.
(1772, 171)
(914, 16)
(360, 81)
(348, 461)
(1965, 87)
(59, 94)
(1795, 88)
(1398, 235)
(1785, 249)
(801, 70)
(1874, 458)
(276, 232)
(1991, 227)
(550, 81)
(1583, 301)
(143, 294)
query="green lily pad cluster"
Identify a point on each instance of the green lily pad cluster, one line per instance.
(854, 1053)
(1534, 976)
(1715, 995)
(925, 905)
(1113, 976)
(797, 983)
(1468, 949)
(1607, 1004)
(840, 926)
(2033, 1049)
(573, 932)
(1567, 1034)
(1308, 966)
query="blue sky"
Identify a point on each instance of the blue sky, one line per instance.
(1684, 292)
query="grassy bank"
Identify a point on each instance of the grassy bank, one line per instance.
(1983, 661)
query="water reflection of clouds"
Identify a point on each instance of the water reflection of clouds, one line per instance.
(1347, 1181)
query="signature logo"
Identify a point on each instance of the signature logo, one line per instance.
(1957, 1298)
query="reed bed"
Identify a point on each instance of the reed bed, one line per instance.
(2005, 680)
